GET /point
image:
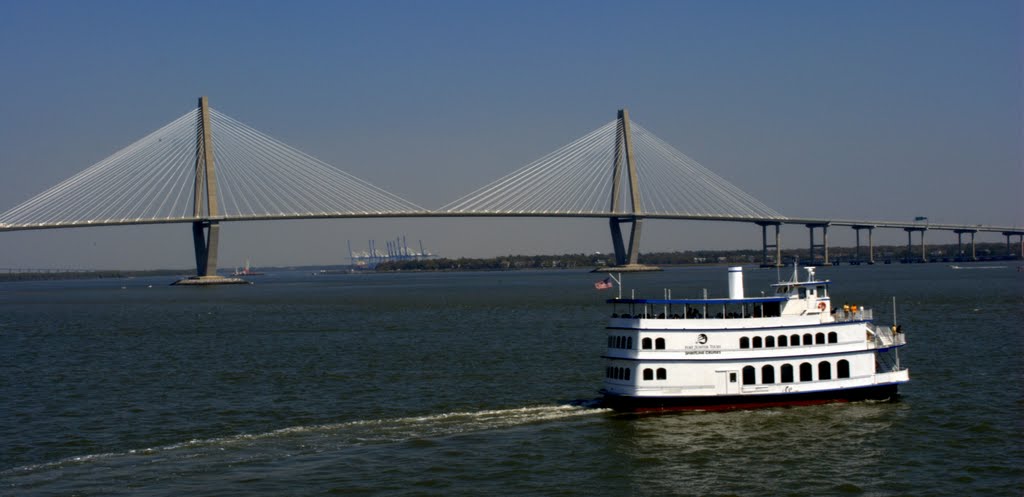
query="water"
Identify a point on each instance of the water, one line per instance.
(474, 383)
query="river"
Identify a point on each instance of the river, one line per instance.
(475, 383)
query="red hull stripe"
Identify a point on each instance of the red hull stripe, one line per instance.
(737, 402)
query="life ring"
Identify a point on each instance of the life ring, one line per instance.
(821, 306)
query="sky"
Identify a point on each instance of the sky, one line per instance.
(850, 110)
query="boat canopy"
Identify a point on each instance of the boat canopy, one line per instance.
(802, 283)
(751, 300)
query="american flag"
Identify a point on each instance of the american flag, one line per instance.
(604, 284)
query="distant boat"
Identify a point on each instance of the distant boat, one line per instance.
(953, 266)
(246, 271)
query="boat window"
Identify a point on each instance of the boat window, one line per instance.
(757, 342)
(627, 373)
(782, 289)
(629, 342)
(824, 370)
(767, 374)
(771, 309)
(662, 374)
(748, 375)
(786, 373)
(794, 340)
(821, 291)
(819, 338)
(769, 341)
(659, 343)
(744, 343)
(646, 343)
(843, 369)
(806, 372)
(808, 339)
(783, 341)
(833, 337)
(648, 374)
(732, 377)
(803, 292)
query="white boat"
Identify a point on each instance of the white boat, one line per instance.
(791, 348)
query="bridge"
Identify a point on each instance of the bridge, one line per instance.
(206, 168)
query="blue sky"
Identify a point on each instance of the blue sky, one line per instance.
(864, 110)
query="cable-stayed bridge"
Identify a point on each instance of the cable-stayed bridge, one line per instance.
(205, 168)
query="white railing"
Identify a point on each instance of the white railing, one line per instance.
(886, 336)
(860, 314)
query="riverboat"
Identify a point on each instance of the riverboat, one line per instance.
(789, 348)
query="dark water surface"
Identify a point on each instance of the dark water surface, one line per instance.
(470, 383)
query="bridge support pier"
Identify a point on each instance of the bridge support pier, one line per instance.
(1009, 250)
(960, 255)
(823, 245)
(623, 255)
(910, 244)
(205, 237)
(871, 244)
(765, 245)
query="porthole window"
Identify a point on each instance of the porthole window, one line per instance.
(808, 339)
(783, 341)
(648, 374)
(806, 372)
(659, 343)
(767, 374)
(794, 340)
(819, 339)
(824, 370)
(757, 342)
(646, 343)
(769, 341)
(748, 375)
(744, 343)
(833, 337)
(629, 342)
(843, 369)
(662, 374)
(627, 374)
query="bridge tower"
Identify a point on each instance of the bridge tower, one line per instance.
(205, 230)
(626, 257)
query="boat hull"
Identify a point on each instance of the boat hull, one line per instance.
(738, 402)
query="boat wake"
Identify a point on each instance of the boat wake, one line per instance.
(312, 439)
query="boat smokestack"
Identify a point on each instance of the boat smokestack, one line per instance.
(736, 282)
